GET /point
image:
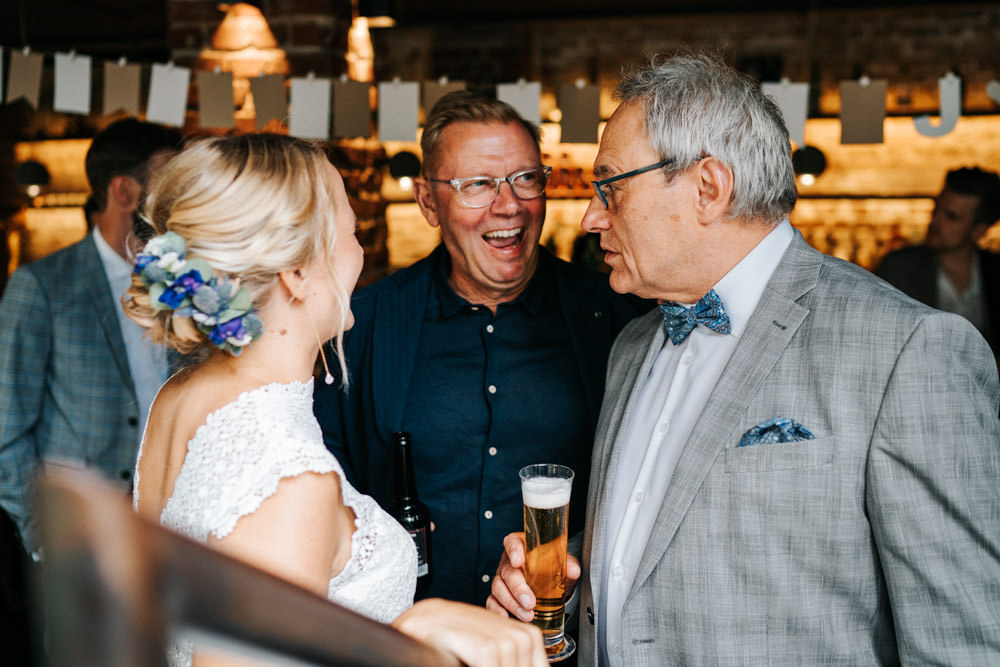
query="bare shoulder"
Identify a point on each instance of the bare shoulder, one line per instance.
(187, 399)
(182, 405)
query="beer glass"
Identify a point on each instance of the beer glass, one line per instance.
(545, 488)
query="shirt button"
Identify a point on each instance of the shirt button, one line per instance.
(489, 328)
(663, 427)
(686, 360)
(488, 514)
(486, 578)
(616, 647)
(492, 451)
(638, 496)
(492, 389)
(617, 570)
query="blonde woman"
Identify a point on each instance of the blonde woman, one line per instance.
(252, 268)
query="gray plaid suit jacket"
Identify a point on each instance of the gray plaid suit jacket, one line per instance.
(66, 392)
(878, 542)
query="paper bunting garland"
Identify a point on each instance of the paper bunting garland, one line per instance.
(320, 108)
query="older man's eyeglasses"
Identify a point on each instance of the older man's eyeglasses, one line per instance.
(605, 190)
(480, 191)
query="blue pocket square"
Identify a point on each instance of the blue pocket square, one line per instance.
(779, 429)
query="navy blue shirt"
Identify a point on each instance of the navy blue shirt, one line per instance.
(490, 394)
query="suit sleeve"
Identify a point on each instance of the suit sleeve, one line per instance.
(25, 345)
(933, 495)
(339, 409)
(330, 403)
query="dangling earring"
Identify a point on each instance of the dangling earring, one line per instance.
(329, 376)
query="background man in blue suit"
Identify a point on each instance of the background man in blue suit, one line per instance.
(76, 375)
(491, 352)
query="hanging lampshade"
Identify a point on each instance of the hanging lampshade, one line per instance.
(380, 13)
(808, 163)
(244, 45)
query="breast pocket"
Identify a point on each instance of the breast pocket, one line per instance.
(779, 456)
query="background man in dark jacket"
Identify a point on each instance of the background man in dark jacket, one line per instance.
(950, 271)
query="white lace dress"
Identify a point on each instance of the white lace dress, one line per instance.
(235, 461)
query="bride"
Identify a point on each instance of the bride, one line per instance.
(252, 270)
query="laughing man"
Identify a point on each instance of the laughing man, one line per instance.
(491, 351)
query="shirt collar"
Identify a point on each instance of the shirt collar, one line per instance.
(541, 288)
(448, 301)
(115, 265)
(535, 298)
(741, 288)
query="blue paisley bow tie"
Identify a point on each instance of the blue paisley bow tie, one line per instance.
(680, 321)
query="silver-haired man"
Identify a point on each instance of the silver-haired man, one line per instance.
(795, 463)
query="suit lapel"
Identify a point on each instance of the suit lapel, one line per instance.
(105, 308)
(772, 325)
(618, 411)
(399, 315)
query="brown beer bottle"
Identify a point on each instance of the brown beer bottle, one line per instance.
(407, 509)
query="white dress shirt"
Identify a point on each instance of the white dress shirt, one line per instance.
(970, 304)
(147, 361)
(668, 406)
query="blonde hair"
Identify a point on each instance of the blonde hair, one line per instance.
(251, 206)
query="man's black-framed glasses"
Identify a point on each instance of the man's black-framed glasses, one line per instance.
(480, 191)
(599, 186)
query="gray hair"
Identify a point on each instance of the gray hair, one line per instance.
(697, 105)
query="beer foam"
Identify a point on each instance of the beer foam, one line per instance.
(546, 493)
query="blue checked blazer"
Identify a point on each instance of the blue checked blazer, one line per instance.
(66, 393)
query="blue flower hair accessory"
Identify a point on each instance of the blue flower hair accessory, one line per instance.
(219, 307)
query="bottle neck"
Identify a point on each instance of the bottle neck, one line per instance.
(404, 484)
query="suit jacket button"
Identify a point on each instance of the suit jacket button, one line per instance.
(126, 474)
(133, 421)
(590, 615)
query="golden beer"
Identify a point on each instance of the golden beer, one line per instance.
(545, 489)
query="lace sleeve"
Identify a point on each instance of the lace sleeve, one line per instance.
(238, 457)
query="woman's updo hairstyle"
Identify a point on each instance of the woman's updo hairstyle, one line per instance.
(250, 206)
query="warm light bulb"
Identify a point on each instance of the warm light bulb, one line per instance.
(406, 183)
(34, 190)
(807, 179)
